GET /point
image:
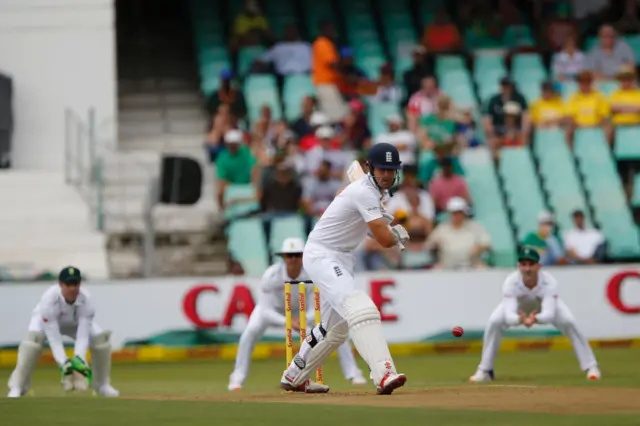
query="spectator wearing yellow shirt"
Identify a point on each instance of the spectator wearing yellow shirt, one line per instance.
(587, 107)
(250, 25)
(549, 110)
(625, 102)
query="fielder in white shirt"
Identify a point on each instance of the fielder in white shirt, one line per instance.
(531, 297)
(66, 309)
(269, 312)
(329, 260)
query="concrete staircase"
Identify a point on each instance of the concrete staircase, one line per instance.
(160, 112)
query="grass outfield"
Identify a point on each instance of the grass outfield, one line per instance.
(531, 388)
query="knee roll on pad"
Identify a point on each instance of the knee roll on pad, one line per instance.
(359, 308)
(100, 339)
(35, 336)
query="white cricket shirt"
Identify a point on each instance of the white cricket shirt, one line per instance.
(543, 298)
(271, 299)
(343, 226)
(55, 313)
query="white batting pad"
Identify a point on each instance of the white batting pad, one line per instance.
(335, 337)
(28, 356)
(367, 335)
(100, 359)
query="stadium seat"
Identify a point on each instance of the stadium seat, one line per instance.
(286, 227)
(377, 114)
(242, 200)
(263, 91)
(488, 63)
(488, 206)
(635, 199)
(518, 36)
(246, 57)
(248, 246)
(606, 194)
(560, 178)
(295, 88)
(627, 146)
(522, 189)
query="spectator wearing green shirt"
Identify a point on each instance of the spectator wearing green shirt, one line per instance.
(544, 240)
(236, 164)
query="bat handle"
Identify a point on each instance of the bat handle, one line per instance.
(401, 246)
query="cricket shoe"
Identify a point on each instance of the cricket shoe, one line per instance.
(286, 383)
(482, 376)
(358, 380)
(234, 387)
(108, 391)
(15, 393)
(593, 373)
(390, 382)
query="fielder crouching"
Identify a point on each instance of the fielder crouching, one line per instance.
(65, 309)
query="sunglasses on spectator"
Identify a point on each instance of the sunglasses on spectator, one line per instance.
(292, 255)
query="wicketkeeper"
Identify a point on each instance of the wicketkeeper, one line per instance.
(65, 309)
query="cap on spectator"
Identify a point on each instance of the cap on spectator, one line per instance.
(545, 217)
(626, 71)
(512, 108)
(394, 118)
(226, 74)
(233, 136)
(319, 119)
(346, 52)
(457, 204)
(356, 105)
(325, 132)
(506, 81)
(585, 76)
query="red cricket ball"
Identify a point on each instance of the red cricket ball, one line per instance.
(457, 331)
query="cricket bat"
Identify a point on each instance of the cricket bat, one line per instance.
(355, 172)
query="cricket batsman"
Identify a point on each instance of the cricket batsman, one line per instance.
(530, 296)
(270, 312)
(65, 309)
(328, 258)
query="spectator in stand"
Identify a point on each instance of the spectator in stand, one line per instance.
(555, 20)
(629, 23)
(227, 94)
(460, 242)
(302, 125)
(291, 55)
(264, 129)
(283, 195)
(441, 35)
(327, 149)
(447, 185)
(352, 76)
(545, 241)
(320, 190)
(568, 62)
(267, 173)
(610, 54)
(486, 29)
(235, 165)
(466, 132)
(584, 245)
(402, 139)
(549, 110)
(325, 73)
(513, 131)
(412, 199)
(438, 129)
(317, 120)
(412, 78)
(250, 24)
(587, 107)
(423, 102)
(388, 90)
(494, 113)
(625, 102)
(222, 122)
(355, 135)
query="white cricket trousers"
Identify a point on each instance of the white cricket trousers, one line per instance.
(564, 322)
(255, 329)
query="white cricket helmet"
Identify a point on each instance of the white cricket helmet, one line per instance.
(291, 246)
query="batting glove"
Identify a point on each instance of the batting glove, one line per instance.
(401, 234)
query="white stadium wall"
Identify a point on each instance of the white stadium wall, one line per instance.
(60, 54)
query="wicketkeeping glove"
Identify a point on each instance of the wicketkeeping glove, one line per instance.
(66, 369)
(79, 365)
(401, 234)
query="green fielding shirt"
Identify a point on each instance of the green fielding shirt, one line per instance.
(235, 168)
(438, 130)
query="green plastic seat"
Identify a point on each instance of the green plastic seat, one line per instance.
(568, 88)
(607, 87)
(518, 36)
(445, 63)
(370, 65)
(524, 195)
(560, 178)
(526, 61)
(484, 63)
(295, 88)
(246, 56)
(263, 91)
(530, 90)
(627, 143)
(286, 227)
(247, 244)
(240, 196)
(635, 199)
(377, 114)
